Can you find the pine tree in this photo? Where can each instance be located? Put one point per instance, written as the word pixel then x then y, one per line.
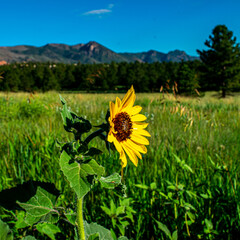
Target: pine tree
pixel 187 79
pixel 222 61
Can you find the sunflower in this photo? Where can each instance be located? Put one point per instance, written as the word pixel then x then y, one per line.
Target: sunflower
pixel 126 128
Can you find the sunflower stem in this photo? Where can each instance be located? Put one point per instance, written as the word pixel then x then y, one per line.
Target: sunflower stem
pixel 122 179
pixel 80 224
pixel 93 135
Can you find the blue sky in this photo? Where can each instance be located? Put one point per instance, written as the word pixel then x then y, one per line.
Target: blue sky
pixel 121 25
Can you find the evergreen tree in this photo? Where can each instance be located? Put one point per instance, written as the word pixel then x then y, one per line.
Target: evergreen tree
pixel 221 63
pixel 69 79
pixel 122 74
pixel 26 77
pixel 187 79
pixel 112 77
pixel 11 79
pixel 49 80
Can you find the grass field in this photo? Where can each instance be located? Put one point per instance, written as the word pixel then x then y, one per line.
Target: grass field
pixel 188 181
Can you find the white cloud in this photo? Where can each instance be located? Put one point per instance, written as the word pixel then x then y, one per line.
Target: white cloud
pixel 100 11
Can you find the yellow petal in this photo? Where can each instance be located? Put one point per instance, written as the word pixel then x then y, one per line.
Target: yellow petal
pixel 144 149
pixel 131 155
pixel 133 149
pixel 139 125
pixel 136 146
pixel 117 145
pixel 133 110
pixel 123 158
pixel 112 110
pixel 129 98
pixel 118 103
pixel 110 138
pixel 138 117
pixel 141 132
pixel 121 152
pixel 139 139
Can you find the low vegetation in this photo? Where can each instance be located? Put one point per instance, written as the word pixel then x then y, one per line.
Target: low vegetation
pixel 186 186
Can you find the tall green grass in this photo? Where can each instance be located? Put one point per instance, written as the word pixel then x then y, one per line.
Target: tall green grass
pixel 188 180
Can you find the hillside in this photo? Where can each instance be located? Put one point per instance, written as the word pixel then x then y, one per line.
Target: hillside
pixel 91 52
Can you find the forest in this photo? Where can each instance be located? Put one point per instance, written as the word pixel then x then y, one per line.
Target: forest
pixel 101 77
pixel 218 69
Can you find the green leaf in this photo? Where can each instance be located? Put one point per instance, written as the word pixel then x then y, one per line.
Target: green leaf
pixel 39 206
pixel 142 186
pixel 49 229
pixel 163 194
pixel 129 215
pixel 121 229
pixel 120 210
pixel 113 234
pixel 65 113
pixel 111 181
pixel 80 124
pixel 175 235
pixel 113 207
pixel 191 216
pixel 93 228
pixel 208 224
pixel 20 220
pixel 73 123
pixel 5 232
pixel 29 238
pixel 114 222
pixel 23 192
pixel 189 206
pixel 164 228
pixel 125 202
pixel 71 217
pixel 205 196
pixel 182 164
pixel 62 99
pixel 153 186
pixel 77 173
pixel 124 223
pixel 122 238
pixel 94 236
pixel 72 148
pixel 106 210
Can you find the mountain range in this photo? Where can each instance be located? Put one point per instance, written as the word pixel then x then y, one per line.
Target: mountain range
pixel 91 52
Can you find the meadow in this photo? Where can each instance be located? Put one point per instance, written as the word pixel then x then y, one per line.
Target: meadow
pixel 186 187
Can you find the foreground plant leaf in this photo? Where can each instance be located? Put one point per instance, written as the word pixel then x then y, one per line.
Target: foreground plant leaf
pixel 111 181
pixel 21 220
pixel 93 229
pixel 65 112
pixel 49 229
pixel 29 238
pixel 40 206
pixel 78 173
pixel 73 123
pixel 23 192
pixel 164 228
pixel 5 232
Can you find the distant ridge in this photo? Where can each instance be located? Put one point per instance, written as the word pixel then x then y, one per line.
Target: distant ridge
pixel 91 52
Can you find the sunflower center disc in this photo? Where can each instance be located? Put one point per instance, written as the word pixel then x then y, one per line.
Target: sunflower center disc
pixel 123 126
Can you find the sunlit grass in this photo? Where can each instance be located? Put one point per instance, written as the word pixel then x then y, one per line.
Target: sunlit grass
pixel 202 132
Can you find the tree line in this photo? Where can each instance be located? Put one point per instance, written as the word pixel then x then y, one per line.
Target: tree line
pixel 217 69
pixel 99 77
